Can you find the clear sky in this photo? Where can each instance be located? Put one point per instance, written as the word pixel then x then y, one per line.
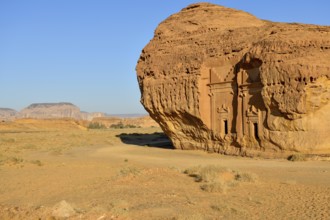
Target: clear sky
pixel 85 51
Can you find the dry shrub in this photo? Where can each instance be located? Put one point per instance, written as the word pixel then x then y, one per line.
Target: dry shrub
pixel 37 162
pixel 246 177
pixel 207 174
pixel 126 171
pixel 192 171
pixel 15 160
pixel 215 187
pixel 11 161
pixel 7 140
pixel 297 157
pixel 219 179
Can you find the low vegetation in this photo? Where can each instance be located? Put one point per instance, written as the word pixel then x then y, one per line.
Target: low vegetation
pixel 120 125
pixel 11 160
pixel 219 179
pixel 37 162
pixel 246 177
pixel 297 157
pixel 96 125
pixel 126 171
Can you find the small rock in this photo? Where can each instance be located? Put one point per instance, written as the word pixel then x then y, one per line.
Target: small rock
pixel 63 210
pixel 102 217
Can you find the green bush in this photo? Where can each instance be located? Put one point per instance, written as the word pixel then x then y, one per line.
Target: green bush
pixel 120 125
pixel 96 125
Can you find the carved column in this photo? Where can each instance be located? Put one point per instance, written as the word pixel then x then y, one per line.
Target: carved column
pixel 212 110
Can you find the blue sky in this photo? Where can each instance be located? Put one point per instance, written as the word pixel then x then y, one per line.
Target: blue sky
pixel 85 51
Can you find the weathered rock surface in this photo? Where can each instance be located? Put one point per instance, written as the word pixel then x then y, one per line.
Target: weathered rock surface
pixel 7 114
pixel 225 81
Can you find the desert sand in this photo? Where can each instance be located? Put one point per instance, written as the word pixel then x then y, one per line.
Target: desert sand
pixel 61 170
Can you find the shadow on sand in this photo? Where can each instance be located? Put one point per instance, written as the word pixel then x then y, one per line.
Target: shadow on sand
pixel 157 139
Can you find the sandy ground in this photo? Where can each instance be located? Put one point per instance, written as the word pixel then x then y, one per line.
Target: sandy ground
pixel 113 174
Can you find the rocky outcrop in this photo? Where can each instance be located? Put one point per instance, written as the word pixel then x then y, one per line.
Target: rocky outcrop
pixel 57 110
pixel 51 110
pixel 89 116
pixel 7 114
pixel 225 81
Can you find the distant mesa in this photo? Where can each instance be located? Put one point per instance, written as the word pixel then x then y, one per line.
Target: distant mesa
pixel 8 114
pixel 49 105
pixel 222 80
pixel 49 111
pixel 68 110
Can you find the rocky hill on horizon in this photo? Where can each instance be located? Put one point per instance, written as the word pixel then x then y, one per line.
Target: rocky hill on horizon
pixel 49 111
pixel 7 114
pixel 63 110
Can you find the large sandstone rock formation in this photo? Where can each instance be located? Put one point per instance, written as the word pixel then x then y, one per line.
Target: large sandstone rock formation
pixel 225 81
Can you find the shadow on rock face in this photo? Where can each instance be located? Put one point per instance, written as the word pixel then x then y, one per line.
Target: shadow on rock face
pixel 157 139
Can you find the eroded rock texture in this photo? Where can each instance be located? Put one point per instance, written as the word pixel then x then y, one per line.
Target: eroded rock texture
pixel 225 81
